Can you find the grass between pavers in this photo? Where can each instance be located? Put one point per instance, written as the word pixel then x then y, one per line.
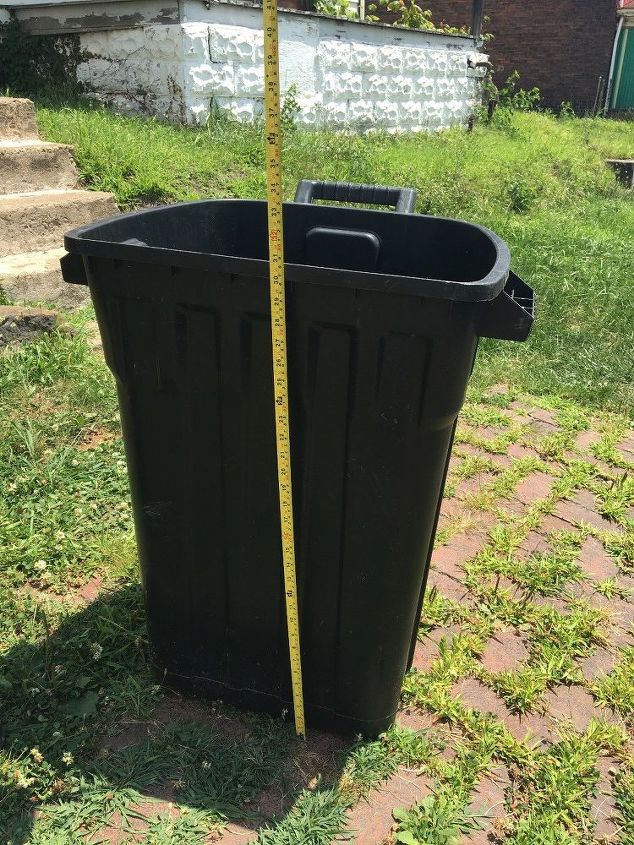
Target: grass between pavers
pixel 538 181
pixel 74 679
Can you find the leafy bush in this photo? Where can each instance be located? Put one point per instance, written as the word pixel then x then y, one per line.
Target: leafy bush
pixel 32 64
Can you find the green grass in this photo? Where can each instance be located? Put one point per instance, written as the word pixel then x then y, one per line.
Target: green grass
pixel 86 740
pixel 538 181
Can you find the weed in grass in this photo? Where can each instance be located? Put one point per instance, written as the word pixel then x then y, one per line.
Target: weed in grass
pixel 617 688
pixel 436 820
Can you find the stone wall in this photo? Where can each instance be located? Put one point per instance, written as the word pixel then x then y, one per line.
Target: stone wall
pixel 345 73
pixel 561 47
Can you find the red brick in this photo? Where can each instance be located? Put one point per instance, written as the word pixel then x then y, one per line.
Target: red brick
pixel 603 807
pixel 414 719
pixel 505 651
pixel 585 439
pixel 596 562
pixel 487 800
pixel 598 664
pixel 582 509
pixel 551 524
pixel 472 486
pixel 627 446
pixel 426 650
pixel 477 696
pixel 446 586
pixel 534 487
pixel 534 544
pixel 517 450
pixel 371 819
pixel 574 704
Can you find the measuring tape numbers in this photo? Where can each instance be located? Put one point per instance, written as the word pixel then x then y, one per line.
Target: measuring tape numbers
pixel 273 145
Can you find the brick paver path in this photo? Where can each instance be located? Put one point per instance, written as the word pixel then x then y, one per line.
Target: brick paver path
pixel 527 553
pixel 553 487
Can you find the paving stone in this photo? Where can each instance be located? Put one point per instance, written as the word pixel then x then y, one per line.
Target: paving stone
pixel 477 696
pixel 598 664
pixel 627 446
pixel 595 561
pixel 534 544
pixel 487 800
pixel 552 603
pixel 603 807
pixel 427 649
pixel 505 651
pixel 519 450
pixel 414 719
pixel 472 486
pixel 534 487
pixel 371 819
pixel 552 524
pixel 585 439
pixel 449 587
pixel 574 704
pixel 582 509
pixel 449 509
pixel 450 557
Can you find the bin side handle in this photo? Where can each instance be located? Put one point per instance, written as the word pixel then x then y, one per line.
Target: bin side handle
pixel 511 314
pixel 403 199
pixel 73 270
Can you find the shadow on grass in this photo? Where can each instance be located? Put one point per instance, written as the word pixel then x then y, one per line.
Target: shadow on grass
pixel 96 751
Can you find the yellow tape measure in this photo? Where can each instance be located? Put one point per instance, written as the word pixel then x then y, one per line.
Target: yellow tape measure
pixel 273 146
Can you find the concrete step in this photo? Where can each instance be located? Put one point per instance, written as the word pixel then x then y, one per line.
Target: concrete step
pixel 33 165
pixel 36 277
pixel 17 119
pixel 38 220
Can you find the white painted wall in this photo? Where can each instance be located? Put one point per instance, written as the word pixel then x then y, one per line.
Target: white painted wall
pixel 347 74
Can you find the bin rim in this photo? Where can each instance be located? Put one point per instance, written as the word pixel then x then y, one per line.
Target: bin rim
pixel 78 241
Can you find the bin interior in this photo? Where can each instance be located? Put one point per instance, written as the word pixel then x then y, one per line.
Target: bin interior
pixel 383 242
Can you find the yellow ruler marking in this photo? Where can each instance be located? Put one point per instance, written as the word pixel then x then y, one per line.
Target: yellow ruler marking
pixel 273 146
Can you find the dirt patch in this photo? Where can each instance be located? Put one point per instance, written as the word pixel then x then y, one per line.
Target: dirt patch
pixel 92 437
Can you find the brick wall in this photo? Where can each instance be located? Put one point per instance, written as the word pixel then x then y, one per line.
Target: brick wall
pixel 561 46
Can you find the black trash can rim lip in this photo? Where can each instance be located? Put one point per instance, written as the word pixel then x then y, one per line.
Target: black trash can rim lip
pixel 79 242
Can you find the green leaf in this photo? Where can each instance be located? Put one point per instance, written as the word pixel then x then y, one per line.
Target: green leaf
pixel 399 814
pixel 83 681
pixel 5 684
pixel 407 838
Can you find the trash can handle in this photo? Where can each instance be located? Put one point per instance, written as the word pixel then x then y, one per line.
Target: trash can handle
pixel 511 314
pixel 403 199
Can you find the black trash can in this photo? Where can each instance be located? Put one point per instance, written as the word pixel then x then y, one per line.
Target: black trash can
pixel 385 310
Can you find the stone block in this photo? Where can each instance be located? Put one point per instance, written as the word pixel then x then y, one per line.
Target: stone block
pixel 414 61
pixel 249 81
pixel 334 53
pixel 386 113
pixel 336 113
pixel 410 113
pixel 216 79
pixel 232 43
pixel 196 42
pixel 375 85
pixel 401 86
pixel 390 59
pixel 361 111
pixel 364 57
pixel 425 87
pixel 444 89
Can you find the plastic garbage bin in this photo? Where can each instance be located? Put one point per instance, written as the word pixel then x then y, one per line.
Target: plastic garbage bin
pixel 385 310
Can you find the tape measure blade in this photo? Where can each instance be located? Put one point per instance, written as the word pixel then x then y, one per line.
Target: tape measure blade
pixel 273 157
